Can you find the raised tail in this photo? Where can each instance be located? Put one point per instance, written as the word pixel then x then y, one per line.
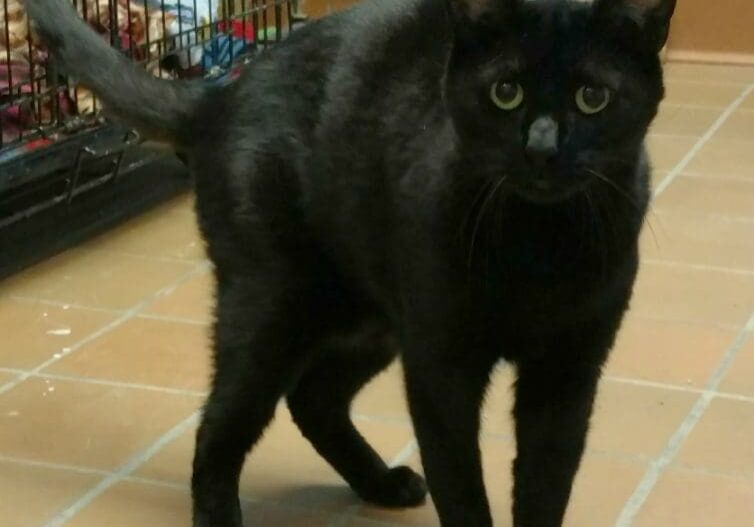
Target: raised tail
pixel 158 108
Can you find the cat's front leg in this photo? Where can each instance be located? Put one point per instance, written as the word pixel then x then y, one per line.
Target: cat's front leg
pixel 554 398
pixel 445 393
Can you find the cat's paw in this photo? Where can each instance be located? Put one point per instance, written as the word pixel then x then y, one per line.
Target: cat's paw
pixel 397 487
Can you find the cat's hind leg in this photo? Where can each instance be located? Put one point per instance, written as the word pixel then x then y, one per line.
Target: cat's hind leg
pixel 320 404
pixel 260 349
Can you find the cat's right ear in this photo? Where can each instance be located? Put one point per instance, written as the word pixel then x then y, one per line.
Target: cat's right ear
pixel 643 23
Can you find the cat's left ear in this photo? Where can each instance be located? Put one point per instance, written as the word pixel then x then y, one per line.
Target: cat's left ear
pixel 475 11
pixel 478 23
pixel 647 22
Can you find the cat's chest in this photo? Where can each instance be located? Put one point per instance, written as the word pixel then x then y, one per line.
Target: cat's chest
pixel 534 284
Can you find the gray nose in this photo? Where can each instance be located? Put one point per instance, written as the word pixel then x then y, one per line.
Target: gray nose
pixel 542 144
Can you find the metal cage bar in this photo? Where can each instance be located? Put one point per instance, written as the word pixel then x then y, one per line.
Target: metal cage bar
pixel 56 148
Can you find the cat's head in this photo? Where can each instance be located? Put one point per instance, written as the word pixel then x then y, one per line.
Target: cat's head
pixel 554 95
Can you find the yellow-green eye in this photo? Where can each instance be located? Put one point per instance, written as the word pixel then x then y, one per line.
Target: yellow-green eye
pixel 592 99
pixel 507 95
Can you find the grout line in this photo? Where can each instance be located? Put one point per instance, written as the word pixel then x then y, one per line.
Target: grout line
pixel 123 318
pixel 670 77
pixel 678 104
pixel 121 384
pixel 53 466
pixel 106 382
pixel 65 305
pixel 699 267
pixel 176 320
pixel 112 311
pixel 124 471
pixel 405 453
pixel 691 154
pixel 679 388
pixel 670 74
pixel 142 256
pixel 654 384
pixel 159 483
pixel 718 176
pixel 709 216
pixel 674 444
pixel 402 420
pixel 725 326
pixel 740 476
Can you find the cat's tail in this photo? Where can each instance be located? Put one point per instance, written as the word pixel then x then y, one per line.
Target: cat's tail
pixel 158 108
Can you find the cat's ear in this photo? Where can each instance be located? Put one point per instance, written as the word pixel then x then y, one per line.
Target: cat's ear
pixel 476 23
pixel 645 22
pixel 473 11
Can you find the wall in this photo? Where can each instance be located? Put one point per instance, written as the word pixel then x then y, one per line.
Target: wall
pixel 713 31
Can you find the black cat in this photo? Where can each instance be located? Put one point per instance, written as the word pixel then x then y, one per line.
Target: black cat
pixel 465 178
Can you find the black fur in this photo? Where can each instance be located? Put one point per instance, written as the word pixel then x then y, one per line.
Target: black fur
pixel 357 187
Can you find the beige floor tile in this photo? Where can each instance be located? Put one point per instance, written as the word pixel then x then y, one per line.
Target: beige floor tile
pixel 601 488
pixel 131 504
pixel 709 72
pixel 697 500
pixel 496 415
pixel 6 377
pixel 740 377
pixel 739 126
pixel 161 233
pixel 748 103
pixel 282 516
pixel 657 178
pixel 675 119
pixel 283 468
pixel 192 300
pixel 384 396
pixel 698 93
pixel 85 425
pixel 363 522
pixel 722 440
pixel 144 351
pixel 699 240
pixel 636 420
pixel 705 195
pixel 669 352
pixel 31 496
pixel 95 279
pixel 693 295
pixel 38 331
pixel 135 504
pixel 496 458
pixel 724 159
pixel 666 151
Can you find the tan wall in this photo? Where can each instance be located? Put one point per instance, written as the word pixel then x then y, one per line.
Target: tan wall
pixel 720 30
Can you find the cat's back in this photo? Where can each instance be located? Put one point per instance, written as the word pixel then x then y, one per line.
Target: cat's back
pixel 335 71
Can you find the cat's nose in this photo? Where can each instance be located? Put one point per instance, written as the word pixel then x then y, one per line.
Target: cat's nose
pixel 542 143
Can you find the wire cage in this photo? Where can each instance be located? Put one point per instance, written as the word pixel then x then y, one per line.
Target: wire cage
pixel 65 171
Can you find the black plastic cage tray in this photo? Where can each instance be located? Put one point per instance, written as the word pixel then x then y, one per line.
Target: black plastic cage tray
pixel 65 172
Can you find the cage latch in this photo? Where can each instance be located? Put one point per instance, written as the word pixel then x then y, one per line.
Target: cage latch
pixel 131 138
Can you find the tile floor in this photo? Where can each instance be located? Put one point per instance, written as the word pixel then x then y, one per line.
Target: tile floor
pixel 105 362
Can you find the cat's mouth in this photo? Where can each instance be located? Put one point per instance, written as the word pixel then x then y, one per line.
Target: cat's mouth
pixel 545 192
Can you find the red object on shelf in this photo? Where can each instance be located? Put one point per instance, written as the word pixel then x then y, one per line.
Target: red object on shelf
pixel 240 29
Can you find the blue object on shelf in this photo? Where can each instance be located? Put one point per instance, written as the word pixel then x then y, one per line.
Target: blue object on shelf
pixel 222 50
